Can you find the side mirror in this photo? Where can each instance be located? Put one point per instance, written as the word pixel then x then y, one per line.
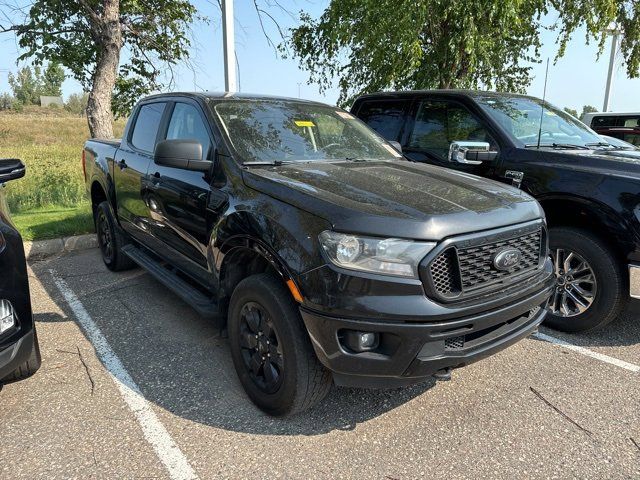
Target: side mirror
pixel 11 169
pixel 184 154
pixel 470 153
pixel 395 145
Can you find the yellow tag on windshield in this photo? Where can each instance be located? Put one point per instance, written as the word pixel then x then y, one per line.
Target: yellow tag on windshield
pixel 304 123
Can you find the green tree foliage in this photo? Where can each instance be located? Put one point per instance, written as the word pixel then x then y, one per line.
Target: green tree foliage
pixel 371 45
pixel 571 111
pixel 87 38
pixel 52 79
pixel 588 109
pixel 77 103
pixel 26 85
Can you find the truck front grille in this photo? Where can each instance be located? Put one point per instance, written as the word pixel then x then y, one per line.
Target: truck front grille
pixel 462 269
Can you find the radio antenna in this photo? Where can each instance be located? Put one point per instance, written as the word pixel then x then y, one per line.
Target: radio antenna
pixel 544 97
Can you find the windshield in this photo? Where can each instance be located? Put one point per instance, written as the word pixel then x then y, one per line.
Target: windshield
pixel 284 130
pixel 520 117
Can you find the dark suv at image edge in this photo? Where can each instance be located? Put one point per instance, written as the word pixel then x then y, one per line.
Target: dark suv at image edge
pixel 19 350
pixel 327 256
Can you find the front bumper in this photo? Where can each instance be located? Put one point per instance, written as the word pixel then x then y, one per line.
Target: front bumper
pixel 408 352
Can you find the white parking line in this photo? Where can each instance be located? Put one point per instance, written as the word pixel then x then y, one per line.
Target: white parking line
pixel 589 353
pixel 154 431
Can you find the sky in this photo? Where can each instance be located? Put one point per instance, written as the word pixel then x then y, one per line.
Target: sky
pixel 575 80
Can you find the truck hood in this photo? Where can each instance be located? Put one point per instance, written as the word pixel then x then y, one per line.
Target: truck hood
pixel 624 163
pixel 395 198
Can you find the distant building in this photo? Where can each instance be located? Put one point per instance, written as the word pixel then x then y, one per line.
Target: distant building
pixel 46 101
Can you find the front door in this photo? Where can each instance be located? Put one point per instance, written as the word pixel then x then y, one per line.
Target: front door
pixel 178 199
pixel 436 124
pixel 130 169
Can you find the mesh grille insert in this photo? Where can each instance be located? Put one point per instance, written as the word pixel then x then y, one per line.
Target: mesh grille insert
pixel 455 271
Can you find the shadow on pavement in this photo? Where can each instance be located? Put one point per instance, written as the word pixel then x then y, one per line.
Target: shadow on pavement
pixel 624 331
pixel 182 365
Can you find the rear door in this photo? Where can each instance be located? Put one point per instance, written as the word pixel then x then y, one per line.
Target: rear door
pixel 178 198
pixel 386 116
pixel 130 169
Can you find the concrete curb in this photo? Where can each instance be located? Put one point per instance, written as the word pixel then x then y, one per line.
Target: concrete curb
pixel 46 248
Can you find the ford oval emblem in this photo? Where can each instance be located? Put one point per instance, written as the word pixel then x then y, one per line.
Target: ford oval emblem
pixel 507 259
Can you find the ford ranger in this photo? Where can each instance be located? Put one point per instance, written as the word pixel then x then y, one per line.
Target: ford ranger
pixel 327 256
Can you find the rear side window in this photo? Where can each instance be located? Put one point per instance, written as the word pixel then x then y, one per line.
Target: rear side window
pixel 145 130
pixel 186 124
pixel 385 116
pixel 605 121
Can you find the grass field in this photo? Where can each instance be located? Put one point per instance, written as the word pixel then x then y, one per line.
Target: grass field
pixel 51 200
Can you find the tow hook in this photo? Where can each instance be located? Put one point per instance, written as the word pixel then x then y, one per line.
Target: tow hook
pixel 443 375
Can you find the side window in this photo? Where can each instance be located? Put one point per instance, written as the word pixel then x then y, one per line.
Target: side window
pixel 145 130
pixel 439 123
pixel 187 124
pixel 385 116
pixel 633 138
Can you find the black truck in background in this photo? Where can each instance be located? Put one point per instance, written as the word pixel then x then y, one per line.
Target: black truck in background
pixel 327 255
pixel 589 189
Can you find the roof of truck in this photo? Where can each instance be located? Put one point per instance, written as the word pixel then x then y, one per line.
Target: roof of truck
pixel 467 93
pixel 231 96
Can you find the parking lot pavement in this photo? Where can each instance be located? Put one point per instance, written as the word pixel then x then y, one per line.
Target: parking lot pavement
pixel 135 385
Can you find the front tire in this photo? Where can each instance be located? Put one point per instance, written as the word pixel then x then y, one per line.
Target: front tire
pixel 591 291
pixel 271 350
pixel 110 239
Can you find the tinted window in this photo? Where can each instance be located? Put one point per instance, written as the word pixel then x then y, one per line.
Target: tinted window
pixel 439 123
pixel 615 121
pixel 632 138
pixel 385 116
pixel 187 124
pixel 146 127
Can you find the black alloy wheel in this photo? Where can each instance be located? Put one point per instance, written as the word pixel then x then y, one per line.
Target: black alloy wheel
pixel 261 348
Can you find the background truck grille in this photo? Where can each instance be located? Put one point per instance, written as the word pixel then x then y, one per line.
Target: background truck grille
pixel 456 271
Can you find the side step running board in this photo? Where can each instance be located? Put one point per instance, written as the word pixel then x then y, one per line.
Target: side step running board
pixel 202 304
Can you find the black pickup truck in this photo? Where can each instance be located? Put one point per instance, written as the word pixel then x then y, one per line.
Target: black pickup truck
pixel 326 255
pixel 589 189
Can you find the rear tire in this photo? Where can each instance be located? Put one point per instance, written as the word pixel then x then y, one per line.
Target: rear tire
pixel 611 294
pixel 111 239
pixel 271 350
pixel 29 367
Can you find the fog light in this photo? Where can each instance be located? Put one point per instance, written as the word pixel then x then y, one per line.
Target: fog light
pixel 361 341
pixel 7 317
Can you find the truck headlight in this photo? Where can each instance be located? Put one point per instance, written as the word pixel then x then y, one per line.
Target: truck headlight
pixel 7 316
pixel 386 256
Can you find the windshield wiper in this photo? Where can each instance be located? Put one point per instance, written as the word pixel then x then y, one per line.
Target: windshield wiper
pixel 600 144
pixel 558 145
pixel 273 163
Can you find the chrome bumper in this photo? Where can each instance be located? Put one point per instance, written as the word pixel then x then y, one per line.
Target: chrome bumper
pixel 634 281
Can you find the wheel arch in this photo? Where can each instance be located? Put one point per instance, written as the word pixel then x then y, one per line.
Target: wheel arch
pixel 597 218
pixel 242 256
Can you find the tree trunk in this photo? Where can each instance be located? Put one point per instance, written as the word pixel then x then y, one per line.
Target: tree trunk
pixel 108 34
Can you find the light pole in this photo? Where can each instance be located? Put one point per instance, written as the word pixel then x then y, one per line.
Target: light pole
pixel 299 85
pixel 615 37
pixel 228 42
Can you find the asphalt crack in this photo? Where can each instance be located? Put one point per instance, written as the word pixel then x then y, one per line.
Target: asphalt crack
pixel 567 417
